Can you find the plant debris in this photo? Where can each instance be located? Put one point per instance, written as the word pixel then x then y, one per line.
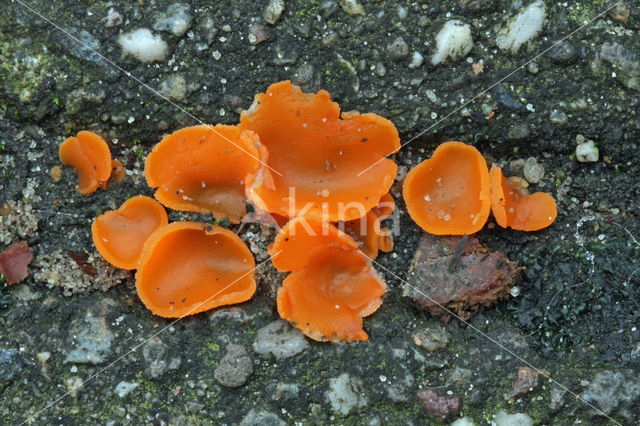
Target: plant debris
pixel 480 276
pixel 14 262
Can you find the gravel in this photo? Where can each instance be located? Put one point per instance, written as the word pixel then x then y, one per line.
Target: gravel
pixel 89 340
pixel 279 339
pixel 345 394
pixel 10 365
pixel 234 368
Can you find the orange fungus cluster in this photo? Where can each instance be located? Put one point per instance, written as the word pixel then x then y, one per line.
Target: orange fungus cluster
pixel 297 160
pixel 321 174
pixel 452 192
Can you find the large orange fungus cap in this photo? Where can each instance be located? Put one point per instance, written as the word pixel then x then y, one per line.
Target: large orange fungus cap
pixel 89 154
pixel 203 169
pixel 313 152
pixel 120 234
pixel 449 193
pixel 190 267
pixel 513 208
pixel 332 285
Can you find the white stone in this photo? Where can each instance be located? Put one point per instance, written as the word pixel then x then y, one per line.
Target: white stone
pixel 345 394
pixel 176 20
pixel 524 27
pixel 273 11
pixel 462 422
pixel 587 152
pixel 454 41
pixel 518 419
pixel 279 339
pixel 533 171
pixel 416 60
pixel 125 388
pixel 352 7
pixel 143 45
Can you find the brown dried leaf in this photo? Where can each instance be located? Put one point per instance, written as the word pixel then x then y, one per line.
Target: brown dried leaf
pixel 82 260
pixel 14 262
pixel 461 275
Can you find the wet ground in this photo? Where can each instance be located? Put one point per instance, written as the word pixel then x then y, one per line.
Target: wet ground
pixel 573 315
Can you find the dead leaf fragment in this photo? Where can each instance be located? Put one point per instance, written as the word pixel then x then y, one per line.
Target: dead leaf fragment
pixel 460 275
pixel 14 262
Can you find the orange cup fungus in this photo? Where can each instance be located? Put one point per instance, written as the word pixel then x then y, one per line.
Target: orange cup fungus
pixel 331 286
pixel 203 169
pixel 119 235
pixel 89 154
pixel 513 207
pixel 367 231
pixel 190 267
pixel 449 194
pixel 314 151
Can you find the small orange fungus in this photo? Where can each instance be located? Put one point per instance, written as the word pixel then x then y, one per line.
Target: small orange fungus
pixel 203 169
pixel 89 154
pixel 449 194
pixel 118 173
pixel 331 287
pixel 367 231
pixel 316 150
pixel 119 235
pixel 512 207
pixel 190 267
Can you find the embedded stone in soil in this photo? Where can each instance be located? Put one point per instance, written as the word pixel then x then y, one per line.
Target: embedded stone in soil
pixel 459 274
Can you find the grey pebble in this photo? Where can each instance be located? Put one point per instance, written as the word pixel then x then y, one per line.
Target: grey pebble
pixel 234 368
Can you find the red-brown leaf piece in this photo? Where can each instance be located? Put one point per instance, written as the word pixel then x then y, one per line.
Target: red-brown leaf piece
pixel 458 273
pixel 14 262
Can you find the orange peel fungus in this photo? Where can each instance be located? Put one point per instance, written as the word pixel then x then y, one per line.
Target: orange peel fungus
pixel 331 287
pixel 89 154
pixel 119 235
pixel 316 150
pixel 190 267
pixel 203 169
pixel 449 193
pixel 513 207
pixel 367 231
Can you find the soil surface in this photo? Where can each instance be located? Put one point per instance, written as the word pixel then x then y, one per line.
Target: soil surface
pixel 78 347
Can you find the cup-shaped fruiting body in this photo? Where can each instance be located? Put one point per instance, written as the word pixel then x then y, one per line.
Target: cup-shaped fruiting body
pixel 203 169
pixel 327 298
pixel 191 267
pixel 89 154
pixel 301 238
pixel 119 235
pixel 449 193
pixel 321 164
pixel 332 286
pixel 514 209
pixel 368 232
